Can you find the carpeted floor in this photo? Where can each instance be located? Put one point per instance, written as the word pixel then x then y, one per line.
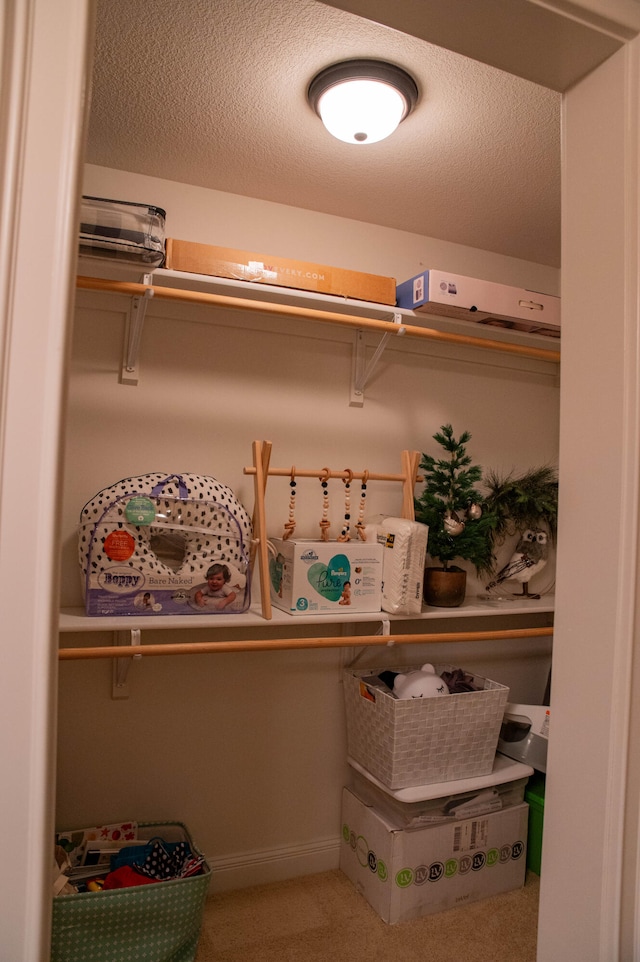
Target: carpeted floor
pixel 321 918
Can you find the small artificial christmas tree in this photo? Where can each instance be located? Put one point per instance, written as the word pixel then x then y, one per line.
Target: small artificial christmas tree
pixel 460 523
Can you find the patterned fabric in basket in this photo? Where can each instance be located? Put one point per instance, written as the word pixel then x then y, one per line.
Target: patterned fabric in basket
pixel 159 922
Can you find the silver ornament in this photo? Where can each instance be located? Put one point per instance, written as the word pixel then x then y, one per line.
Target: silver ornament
pixel 452 524
pixel 474 512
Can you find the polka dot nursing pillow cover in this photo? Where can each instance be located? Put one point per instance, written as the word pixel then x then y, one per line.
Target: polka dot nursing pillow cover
pixel 147 544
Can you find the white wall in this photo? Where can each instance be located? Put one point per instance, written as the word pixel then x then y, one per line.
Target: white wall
pixel 230 220
pixel 249 750
pixel 595 636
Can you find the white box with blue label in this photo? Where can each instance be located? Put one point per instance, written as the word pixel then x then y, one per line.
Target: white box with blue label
pixel 318 577
pixel 467 298
pixel 407 873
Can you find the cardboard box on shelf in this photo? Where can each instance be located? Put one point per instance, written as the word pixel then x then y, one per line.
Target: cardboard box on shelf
pixel 259 268
pixel 470 299
pixel 404 874
pixel 317 577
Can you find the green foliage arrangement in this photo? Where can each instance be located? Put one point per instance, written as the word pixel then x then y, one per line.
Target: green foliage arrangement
pixel 528 500
pixel 449 499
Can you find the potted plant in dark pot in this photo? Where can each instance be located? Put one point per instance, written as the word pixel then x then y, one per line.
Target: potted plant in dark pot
pixel 460 523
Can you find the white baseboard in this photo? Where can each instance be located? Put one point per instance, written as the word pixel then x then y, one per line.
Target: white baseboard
pixel 273 865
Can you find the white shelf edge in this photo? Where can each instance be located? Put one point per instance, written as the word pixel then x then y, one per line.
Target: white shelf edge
pixel 162 277
pixel 75 619
pixel 345 305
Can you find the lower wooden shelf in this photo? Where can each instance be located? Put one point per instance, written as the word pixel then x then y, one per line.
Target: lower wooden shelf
pixel 520 611
pixel 75 619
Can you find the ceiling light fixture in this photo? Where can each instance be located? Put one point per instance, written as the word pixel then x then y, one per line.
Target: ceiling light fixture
pixel 362 101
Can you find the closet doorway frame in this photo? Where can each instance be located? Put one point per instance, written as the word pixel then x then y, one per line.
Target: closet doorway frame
pixel 589 893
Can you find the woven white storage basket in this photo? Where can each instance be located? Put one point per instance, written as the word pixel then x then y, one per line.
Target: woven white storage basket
pixel 419 741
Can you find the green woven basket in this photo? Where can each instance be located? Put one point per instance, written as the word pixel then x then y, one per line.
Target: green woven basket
pixel 154 923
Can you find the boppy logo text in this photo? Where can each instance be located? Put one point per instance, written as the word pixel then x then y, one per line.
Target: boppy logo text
pixel 122 581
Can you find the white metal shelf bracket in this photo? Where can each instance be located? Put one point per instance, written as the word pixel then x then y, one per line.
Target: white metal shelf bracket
pixel 129 373
pixel 385 630
pixel 121 666
pixel 361 372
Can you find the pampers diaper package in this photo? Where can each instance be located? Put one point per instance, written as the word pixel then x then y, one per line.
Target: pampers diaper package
pixel 315 577
pixel 405 550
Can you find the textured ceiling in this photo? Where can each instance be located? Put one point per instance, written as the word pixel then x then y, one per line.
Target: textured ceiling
pixel 212 93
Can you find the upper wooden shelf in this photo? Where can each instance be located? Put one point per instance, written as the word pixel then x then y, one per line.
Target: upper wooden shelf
pixel 384 319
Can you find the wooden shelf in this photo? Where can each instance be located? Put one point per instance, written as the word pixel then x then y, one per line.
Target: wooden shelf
pixel 289 304
pixel 75 619
pixel 127 641
pixel 293 305
pixel 271 294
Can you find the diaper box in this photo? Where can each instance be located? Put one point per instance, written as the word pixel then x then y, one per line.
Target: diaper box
pixel 408 873
pixel 405 550
pixel 261 268
pixel 316 577
pixel 467 298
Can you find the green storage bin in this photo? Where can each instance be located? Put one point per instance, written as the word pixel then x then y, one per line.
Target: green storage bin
pixel 534 795
pixel 158 923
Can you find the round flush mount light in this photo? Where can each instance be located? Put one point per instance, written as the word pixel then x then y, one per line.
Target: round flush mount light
pixel 362 101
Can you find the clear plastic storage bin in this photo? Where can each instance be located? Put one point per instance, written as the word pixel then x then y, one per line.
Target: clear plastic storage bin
pixel 434 804
pixel 122 230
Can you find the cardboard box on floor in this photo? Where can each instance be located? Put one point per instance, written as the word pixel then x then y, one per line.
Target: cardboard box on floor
pixel 407 873
pixel 281 271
